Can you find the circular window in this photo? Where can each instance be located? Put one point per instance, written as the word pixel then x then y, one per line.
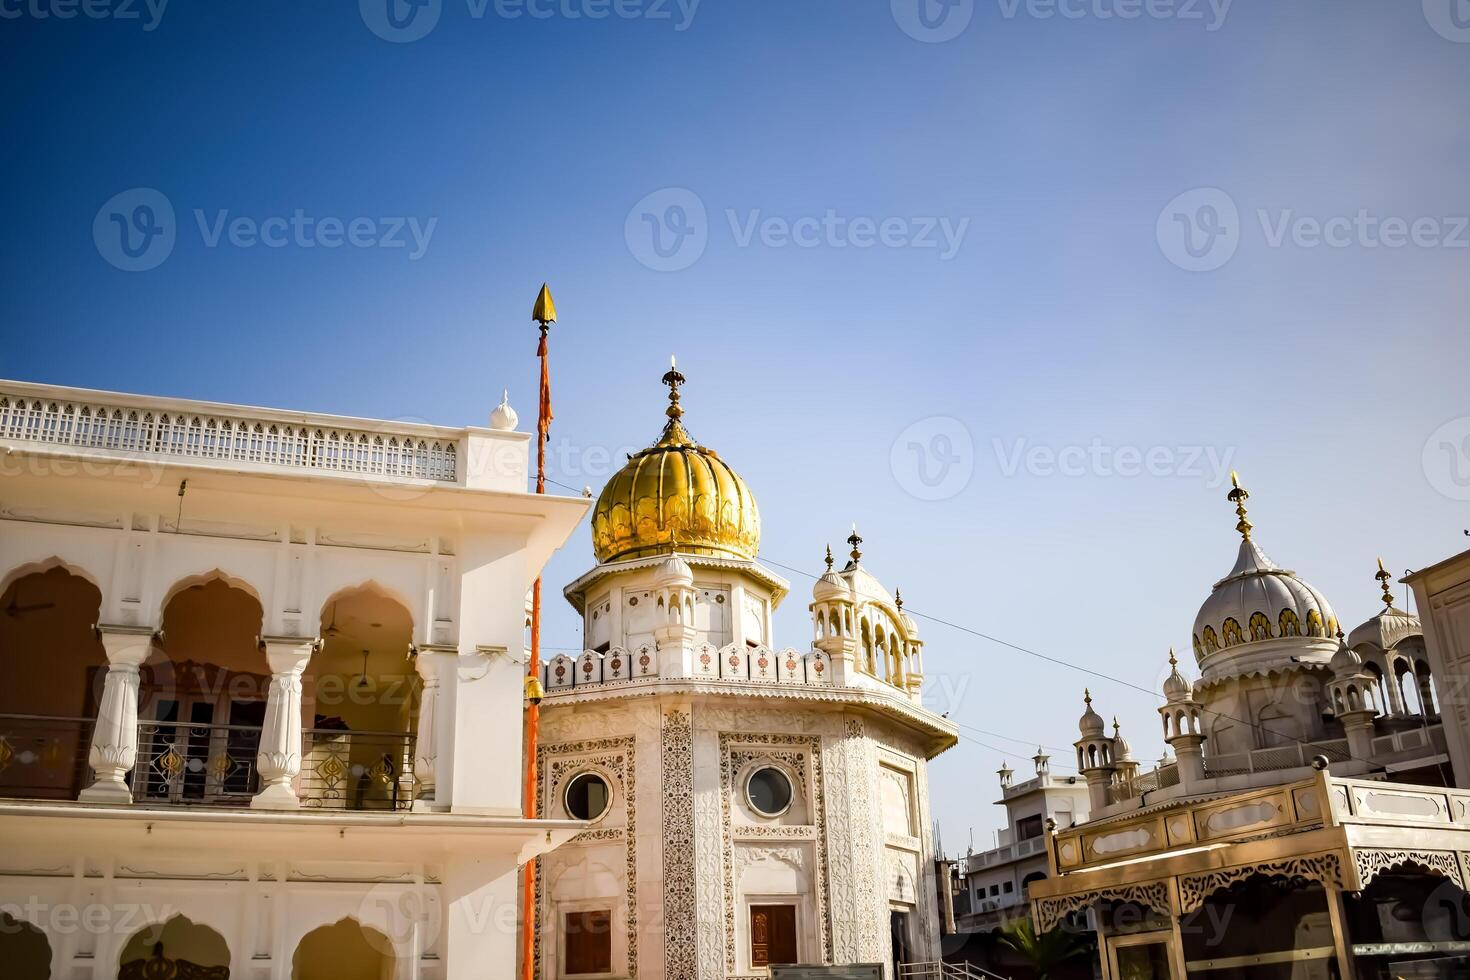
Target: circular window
pixel 769 791
pixel 588 796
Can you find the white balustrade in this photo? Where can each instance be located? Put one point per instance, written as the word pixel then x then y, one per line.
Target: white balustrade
pixel 139 431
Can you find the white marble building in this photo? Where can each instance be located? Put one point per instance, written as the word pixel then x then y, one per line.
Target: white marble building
pixel 750 804
pixel 261 688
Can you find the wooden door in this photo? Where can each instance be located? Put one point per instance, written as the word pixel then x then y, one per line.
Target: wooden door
pixel 772 934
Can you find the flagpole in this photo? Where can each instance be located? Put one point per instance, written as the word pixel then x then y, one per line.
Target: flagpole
pixel 544 313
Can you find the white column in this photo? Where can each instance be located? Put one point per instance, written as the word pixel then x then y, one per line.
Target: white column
pixel 432 664
pixel 279 758
pixel 115 737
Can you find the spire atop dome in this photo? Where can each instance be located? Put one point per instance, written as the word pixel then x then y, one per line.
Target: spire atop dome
pixel 828 559
pixel 854 539
pixel 1238 495
pixel 673 379
pixel 1384 576
pixel 898 599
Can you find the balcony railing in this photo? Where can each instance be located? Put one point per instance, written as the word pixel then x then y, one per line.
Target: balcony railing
pixel 43 757
pixel 347 770
pixel 1298 755
pixel 141 432
pixel 199 764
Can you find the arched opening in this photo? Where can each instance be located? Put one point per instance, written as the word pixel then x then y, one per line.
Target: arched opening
pixel 1409 921
pixel 176 948
pixel 1274 727
pixel 1376 673
pixel 52 665
pixel 1428 699
pixel 360 697
pixel 1262 917
pixel 202 697
pixel 1408 687
pixel 345 950
pixel 25 951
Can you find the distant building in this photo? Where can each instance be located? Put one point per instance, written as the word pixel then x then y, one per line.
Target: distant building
pixel 1311 826
pixel 992 884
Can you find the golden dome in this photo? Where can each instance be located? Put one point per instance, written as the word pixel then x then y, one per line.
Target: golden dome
pixel 675 494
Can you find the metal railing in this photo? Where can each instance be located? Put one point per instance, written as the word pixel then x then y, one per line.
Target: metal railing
pixel 43 757
pixel 349 770
pixel 185 763
pixel 140 431
pixel 939 970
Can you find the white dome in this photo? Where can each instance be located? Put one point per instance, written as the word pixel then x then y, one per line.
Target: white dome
pixel 1122 751
pixel 1386 630
pixel 1091 724
pixel 1261 615
pixel 1345 663
pixel 1176 686
pixel 830 588
pixel 504 418
pixel 673 570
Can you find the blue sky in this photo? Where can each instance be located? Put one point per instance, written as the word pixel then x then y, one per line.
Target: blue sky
pixel 1059 315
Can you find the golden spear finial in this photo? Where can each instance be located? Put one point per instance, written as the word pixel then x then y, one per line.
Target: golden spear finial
pixel 1384 576
pixel 829 558
pixel 673 379
pixel 1173 660
pixel 544 311
pixel 1238 495
pixel 854 540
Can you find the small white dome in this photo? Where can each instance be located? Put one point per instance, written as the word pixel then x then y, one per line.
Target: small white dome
pixel 504 418
pixel 1386 630
pixel 1091 724
pixel 1345 663
pixel 1176 687
pixel 830 588
pixel 672 571
pixel 1122 751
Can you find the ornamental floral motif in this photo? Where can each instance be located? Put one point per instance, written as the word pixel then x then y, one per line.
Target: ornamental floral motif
pixel 1050 911
pixel 1370 863
pixel 1325 868
pixel 681 917
pixel 558 762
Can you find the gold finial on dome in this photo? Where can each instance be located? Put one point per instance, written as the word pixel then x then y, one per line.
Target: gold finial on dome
pixel 1238 495
pixel 829 558
pixel 1173 660
pixel 898 599
pixel 675 491
pixel 673 379
pixel 1384 576
pixel 854 539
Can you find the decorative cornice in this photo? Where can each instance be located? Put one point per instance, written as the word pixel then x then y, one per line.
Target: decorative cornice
pixel 1371 862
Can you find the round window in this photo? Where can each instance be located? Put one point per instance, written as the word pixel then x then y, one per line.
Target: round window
pixel 588 796
pixel 769 791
